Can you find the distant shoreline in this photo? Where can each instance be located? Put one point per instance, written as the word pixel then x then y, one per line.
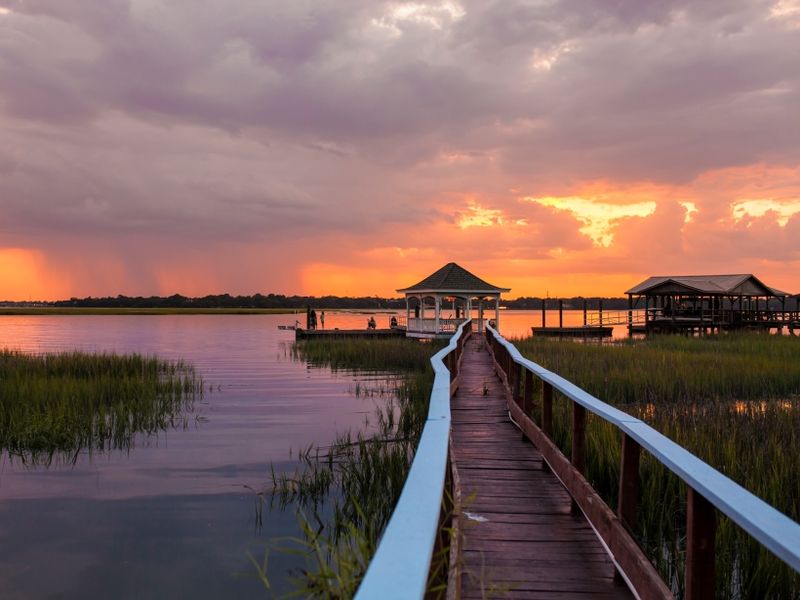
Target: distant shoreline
pixel 10 311
pixel 87 310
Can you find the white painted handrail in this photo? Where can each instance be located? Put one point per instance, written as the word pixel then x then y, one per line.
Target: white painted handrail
pixel 400 566
pixel 770 527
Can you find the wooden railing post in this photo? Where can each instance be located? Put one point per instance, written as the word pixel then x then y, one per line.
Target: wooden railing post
pixel 578 457
pixel 579 437
pixel 547 409
pixel 701 529
pixel 628 482
pixel 527 400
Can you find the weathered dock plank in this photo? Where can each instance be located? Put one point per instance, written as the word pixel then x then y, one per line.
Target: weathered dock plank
pixel 519 536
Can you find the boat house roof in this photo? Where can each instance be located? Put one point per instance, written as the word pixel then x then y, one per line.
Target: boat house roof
pixel 453 278
pixel 712 285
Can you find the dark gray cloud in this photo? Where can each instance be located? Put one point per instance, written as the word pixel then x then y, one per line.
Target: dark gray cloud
pixel 271 121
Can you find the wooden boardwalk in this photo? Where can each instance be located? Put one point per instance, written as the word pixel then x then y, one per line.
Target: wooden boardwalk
pixel 519 538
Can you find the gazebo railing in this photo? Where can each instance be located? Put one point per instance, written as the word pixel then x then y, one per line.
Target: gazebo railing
pixel 402 563
pixel 428 325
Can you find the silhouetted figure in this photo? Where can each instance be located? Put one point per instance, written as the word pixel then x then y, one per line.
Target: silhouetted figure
pixel 322 319
pixel 371 323
pixel 393 322
pixel 313 320
pixel 416 311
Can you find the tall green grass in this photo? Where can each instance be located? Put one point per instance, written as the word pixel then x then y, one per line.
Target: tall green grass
pixel 361 474
pixel 732 400
pixel 55 405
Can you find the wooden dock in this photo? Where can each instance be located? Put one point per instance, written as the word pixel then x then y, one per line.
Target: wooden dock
pixel 586 331
pixel 306 334
pixel 519 536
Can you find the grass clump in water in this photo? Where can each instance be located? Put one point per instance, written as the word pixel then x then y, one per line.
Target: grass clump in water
pixel 60 404
pixel 732 400
pixel 359 476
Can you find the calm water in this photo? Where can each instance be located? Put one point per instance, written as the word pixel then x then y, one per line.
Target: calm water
pixel 175 516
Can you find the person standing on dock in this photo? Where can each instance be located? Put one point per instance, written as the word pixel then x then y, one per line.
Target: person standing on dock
pixel 313 320
pixel 322 319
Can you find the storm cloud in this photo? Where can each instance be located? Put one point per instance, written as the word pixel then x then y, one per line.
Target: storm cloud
pixel 195 146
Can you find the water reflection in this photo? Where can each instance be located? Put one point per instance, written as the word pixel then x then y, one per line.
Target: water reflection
pixel 173 517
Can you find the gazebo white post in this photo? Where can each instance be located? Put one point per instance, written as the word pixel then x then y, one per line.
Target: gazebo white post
pixel 438 309
pixel 480 315
pixel 408 313
pixel 497 312
pixel 422 308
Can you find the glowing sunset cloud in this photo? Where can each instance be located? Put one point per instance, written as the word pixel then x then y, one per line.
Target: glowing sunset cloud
pixel 691 209
pixel 353 147
pixel 783 210
pixel 478 216
pixel 598 217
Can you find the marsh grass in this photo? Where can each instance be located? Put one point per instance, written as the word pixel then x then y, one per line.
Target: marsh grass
pixel 358 477
pixel 732 400
pixel 56 405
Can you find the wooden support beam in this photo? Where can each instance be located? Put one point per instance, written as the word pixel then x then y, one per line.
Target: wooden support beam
pixel 517 388
pixel 628 482
pixel 601 312
pixel 701 528
pixel 527 401
pixel 578 455
pixel 544 313
pixel 630 314
pixel 547 409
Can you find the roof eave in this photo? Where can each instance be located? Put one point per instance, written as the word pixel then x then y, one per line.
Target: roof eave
pixel 453 291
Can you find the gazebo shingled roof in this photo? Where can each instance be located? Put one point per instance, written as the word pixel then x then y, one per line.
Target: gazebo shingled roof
pixel 710 284
pixel 453 278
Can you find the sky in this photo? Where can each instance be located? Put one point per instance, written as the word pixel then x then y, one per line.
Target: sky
pixel 352 147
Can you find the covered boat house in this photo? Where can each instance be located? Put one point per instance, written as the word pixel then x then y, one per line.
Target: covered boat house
pixel 437 305
pixel 705 303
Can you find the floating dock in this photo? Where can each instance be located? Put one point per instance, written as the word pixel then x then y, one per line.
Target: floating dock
pixel 315 334
pixel 587 331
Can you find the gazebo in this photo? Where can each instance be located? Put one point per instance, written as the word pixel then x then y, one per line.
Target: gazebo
pixel 454 292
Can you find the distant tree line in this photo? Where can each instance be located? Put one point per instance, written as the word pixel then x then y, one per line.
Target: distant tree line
pixel 301 302
pixel 228 301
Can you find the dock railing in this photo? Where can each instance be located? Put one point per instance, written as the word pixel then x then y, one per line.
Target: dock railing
pixel 401 565
pixel 708 489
